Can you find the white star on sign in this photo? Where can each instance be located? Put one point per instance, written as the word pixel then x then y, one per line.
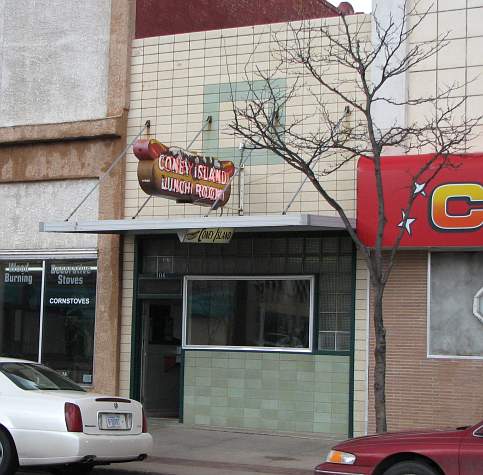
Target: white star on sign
pixel 406 223
pixel 419 188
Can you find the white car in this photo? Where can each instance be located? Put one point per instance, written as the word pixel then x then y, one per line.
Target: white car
pixel 46 419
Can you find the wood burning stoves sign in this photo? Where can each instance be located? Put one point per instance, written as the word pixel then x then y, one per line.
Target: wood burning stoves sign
pixel 182 176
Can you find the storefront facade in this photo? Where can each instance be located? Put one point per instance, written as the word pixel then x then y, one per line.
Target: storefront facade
pixel 433 300
pixel 257 332
pixel 431 303
pixel 254 333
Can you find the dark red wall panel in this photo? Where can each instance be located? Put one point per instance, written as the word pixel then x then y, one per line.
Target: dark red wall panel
pixel 168 17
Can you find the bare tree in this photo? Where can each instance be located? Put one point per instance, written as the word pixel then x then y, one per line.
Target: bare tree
pixel 307 54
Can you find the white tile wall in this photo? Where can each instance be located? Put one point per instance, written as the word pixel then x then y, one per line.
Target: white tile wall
pixel 458 62
pixel 167 85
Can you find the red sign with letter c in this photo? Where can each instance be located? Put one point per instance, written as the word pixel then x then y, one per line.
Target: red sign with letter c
pixel 448 206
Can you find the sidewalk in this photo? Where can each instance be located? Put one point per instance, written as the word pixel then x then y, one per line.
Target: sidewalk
pixel 185 450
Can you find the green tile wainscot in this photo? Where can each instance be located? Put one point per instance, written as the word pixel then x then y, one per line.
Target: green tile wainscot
pixel 272 391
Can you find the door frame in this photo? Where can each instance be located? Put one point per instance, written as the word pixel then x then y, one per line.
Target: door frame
pixel 145 304
pixel 135 385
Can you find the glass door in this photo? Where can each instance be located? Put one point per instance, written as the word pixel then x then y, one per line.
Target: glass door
pixel 161 357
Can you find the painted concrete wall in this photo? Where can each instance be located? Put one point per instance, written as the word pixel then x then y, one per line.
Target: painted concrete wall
pixel 272 391
pixel 30 203
pixel 54 60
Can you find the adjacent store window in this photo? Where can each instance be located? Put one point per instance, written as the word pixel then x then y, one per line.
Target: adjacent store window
pixel 455 304
pixel 20 302
pixel 269 313
pixel 47 314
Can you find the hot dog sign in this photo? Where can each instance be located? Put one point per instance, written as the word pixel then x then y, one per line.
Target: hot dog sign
pixel 183 176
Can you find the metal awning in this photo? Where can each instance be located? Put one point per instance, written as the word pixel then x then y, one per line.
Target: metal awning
pixel 256 223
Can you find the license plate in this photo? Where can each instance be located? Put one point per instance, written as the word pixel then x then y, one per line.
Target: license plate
pixel 114 421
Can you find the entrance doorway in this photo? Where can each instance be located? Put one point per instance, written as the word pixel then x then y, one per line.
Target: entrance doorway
pixel 161 357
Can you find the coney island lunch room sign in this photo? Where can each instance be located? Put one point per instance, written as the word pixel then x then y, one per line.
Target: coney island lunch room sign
pixel 182 176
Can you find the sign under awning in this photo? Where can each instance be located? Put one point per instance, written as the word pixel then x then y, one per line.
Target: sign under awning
pixel 206 235
pixel 256 223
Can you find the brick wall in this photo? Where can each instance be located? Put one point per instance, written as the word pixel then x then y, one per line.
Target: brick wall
pixel 421 392
pixel 168 17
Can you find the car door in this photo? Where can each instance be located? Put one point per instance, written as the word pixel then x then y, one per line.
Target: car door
pixel 471 452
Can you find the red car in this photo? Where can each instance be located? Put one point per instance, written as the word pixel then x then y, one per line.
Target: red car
pixel 440 452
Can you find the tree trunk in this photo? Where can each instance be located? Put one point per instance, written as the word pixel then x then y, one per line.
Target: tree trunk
pixel 380 361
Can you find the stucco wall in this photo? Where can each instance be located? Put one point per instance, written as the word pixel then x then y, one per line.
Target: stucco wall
pixel 30 203
pixel 63 109
pixel 54 60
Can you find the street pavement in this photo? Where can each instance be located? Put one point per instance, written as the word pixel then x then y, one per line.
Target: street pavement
pixel 185 450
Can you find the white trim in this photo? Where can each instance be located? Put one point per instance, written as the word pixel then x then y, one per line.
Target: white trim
pixel 309 349
pixel 41 323
pixel 428 326
pixel 269 222
pixel 454 357
pixel 46 254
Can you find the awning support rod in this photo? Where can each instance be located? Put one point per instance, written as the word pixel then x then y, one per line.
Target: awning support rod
pixel 336 129
pixel 241 166
pixel 147 124
pixel 208 121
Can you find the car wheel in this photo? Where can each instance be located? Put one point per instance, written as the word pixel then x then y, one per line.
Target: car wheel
pixel 8 456
pixel 410 468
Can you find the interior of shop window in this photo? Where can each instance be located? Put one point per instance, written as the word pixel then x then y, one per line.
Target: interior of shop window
pixel 47 314
pixel 264 313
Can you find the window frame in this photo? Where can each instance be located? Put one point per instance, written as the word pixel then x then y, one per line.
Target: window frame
pixel 308 277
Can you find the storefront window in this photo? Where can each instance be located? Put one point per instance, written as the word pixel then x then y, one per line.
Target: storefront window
pixel 69 316
pixel 60 297
pixel 164 263
pixel 20 298
pixel 249 312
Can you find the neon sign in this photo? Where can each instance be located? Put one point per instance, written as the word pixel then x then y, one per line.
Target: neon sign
pixel 182 176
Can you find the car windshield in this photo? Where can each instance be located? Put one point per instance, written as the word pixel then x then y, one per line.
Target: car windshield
pixel 31 376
